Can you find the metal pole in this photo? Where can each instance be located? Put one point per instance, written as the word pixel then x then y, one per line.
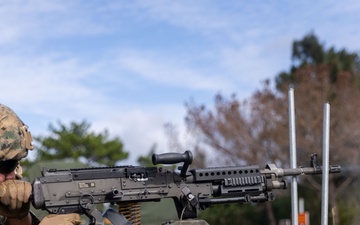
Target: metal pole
pixel 301 205
pixel 294 191
pixel 325 167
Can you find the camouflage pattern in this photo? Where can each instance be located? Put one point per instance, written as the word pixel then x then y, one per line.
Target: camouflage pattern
pixel 19 172
pixel 15 140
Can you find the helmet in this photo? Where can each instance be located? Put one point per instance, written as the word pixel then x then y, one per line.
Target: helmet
pixel 15 139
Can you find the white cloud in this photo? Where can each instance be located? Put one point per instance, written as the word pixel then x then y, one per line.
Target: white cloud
pixel 43 79
pixel 160 69
pixel 39 20
pixel 139 127
pixel 45 69
pixel 52 88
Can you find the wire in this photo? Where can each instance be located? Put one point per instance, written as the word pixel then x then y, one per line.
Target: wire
pixel 182 214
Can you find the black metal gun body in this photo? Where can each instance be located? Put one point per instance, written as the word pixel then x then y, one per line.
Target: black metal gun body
pixel 79 190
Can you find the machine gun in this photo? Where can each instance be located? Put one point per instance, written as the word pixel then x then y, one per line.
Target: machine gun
pixel 79 190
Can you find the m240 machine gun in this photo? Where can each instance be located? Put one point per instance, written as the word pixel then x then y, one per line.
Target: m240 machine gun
pixel 79 190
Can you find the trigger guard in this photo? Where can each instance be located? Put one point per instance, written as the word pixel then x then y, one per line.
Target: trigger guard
pixel 87 203
pixel 87 206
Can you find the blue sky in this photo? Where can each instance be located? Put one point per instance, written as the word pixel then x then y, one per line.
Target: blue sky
pixel 129 66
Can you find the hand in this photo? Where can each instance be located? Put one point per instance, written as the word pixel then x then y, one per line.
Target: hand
pixel 63 219
pixel 14 198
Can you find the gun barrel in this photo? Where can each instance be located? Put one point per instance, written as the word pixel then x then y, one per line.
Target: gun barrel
pixel 271 169
pixel 335 169
pixel 310 170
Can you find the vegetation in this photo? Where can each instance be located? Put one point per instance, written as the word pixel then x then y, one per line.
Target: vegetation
pixel 76 142
pixel 255 130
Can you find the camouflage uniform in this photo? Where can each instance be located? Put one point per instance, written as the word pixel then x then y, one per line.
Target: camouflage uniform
pixel 15 141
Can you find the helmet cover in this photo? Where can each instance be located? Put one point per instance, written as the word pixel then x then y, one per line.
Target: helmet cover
pixel 15 139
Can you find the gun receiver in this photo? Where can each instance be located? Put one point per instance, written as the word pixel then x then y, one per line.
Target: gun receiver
pixel 79 190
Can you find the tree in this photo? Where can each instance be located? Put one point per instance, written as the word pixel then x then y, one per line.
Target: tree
pixel 76 142
pixel 255 130
pixel 334 79
pixel 241 133
pixel 146 160
pixel 308 52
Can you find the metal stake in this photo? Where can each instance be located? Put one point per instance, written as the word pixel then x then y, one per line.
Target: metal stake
pixel 325 166
pixel 292 132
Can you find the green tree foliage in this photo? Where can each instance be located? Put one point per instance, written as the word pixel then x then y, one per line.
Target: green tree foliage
pixel 76 141
pixel 309 52
pixel 147 159
pixel 256 130
pixel 326 75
